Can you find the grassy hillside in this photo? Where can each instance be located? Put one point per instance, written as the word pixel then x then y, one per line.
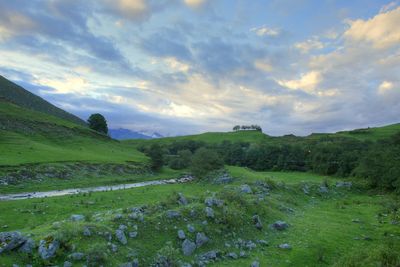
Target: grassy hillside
pixel 28 136
pixel 18 95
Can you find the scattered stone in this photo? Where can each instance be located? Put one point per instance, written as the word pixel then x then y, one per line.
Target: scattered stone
pixel 11 240
pixel 133 234
pixel 181 234
pixel 356 220
pixel 204 222
pixel 188 247
pixel 138 216
pixel 257 222
pixel 344 184
pixel 120 235
pixel 182 200
pixel 212 201
pixel 250 245
pixel 185 264
pixel 76 256
pixel 77 218
pixel 134 263
pixel 27 247
pixel 48 249
pixel 246 189
pixel 306 189
pixel 201 239
pixel 255 264
pixel 67 264
pixel 232 255
pixel 280 225
pixel 86 231
pixel 209 212
pixel 242 254
pixel 208 256
pixel 122 227
pixel 323 189
pixel 224 179
pixel 113 247
pixel 191 228
pixel 173 214
pixel 285 246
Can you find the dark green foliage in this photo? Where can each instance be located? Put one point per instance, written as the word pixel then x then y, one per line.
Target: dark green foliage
pixel 98 123
pixel 156 155
pixel 181 161
pixel 381 165
pixel 205 160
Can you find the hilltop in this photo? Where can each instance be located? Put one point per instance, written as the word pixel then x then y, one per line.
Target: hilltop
pixel 23 98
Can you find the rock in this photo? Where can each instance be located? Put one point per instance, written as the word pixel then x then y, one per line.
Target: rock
pixel 173 214
pixel 344 184
pixel 191 228
pixel 181 234
pixel 67 264
pixel 48 249
pixel 280 225
pixel 250 245
pixel 201 239
pixel 86 231
pixel 306 189
pixel 242 254
pixel 27 247
pixel 136 216
pixel 232 255
pixel 120 235
pixel 76 256
pixel 133 234
pixel 209 212
pixel 182 200
pixel 212 201
pixel 134 263
pixel 77 218
pixel 356 220
pixel 122 227
pixel 113 247
pixel 323 189
pixel 11 240
pixel 208 256
pixel 246 189
pixel 257 222
pixel 188 247
pixel 285 246
pixel 185 264
pixel 224 179
pixel 255 264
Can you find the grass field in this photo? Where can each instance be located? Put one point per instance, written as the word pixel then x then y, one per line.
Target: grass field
pixel 28 136
pixel 325 229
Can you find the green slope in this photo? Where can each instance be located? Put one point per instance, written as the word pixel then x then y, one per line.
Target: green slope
pixel 28 136
pixel 21 97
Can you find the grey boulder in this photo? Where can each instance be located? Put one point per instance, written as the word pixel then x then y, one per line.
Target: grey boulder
pixel 48 249
pixel 188 247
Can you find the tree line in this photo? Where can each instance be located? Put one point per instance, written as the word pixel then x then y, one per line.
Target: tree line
pixel 377 162
pixel 253 127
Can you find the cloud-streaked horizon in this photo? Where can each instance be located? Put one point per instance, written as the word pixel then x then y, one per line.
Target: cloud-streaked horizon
pixel 190 66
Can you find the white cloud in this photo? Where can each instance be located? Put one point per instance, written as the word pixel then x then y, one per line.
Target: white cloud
pixel 265 31
pixel 389 7
pixel 195 3
pixel 385 87
pixel 308 45
pixel 176 65
pixel 308 82
pixel 382 31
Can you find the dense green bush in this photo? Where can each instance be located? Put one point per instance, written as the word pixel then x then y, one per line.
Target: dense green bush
pixel 205 160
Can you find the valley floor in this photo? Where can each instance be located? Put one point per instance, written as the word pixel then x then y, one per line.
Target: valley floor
pixel 339 226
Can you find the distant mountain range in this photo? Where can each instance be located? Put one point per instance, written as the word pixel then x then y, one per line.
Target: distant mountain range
pixel 124 134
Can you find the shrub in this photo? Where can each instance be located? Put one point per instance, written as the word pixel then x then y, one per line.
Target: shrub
pixel 205 160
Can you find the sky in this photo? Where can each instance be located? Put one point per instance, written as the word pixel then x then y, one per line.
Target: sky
pixel 189 66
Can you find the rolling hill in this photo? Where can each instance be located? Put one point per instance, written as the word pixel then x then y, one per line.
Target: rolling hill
pixel 21 97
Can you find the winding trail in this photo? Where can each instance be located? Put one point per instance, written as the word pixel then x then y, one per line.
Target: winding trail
pixel 56 193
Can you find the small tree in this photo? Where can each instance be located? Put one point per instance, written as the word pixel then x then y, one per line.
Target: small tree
pixel 236 128
pixel 156 156
pixel 98 123
pixel 205 160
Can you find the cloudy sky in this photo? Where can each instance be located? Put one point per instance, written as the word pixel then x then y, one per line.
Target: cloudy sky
pixel 189 66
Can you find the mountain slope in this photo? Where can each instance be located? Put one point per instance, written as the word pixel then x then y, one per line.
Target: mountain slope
pixel 27 136
pixel 123 134
pixel 21 97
